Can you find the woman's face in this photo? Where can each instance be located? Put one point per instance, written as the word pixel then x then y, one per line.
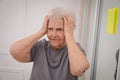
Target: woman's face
pixel 55 32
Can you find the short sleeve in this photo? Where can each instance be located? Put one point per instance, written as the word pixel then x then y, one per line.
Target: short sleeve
pixel 83 51
pixel 36 48
pixel 33 51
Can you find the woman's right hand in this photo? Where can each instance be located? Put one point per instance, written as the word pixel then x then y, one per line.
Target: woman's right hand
pixel 45 25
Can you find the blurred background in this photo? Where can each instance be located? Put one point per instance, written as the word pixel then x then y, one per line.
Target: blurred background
pixel 21 18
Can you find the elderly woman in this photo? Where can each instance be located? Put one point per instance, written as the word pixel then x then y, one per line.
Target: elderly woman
pixel 60 58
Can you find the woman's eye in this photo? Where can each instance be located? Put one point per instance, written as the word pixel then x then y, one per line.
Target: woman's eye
pixel 59 29
pixel 50 29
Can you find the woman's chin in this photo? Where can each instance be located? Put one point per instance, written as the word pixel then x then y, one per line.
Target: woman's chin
pixel 55 46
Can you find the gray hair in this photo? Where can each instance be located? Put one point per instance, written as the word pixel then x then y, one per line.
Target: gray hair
pixel 61 12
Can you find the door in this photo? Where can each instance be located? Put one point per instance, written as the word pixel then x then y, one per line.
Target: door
pixel 107 44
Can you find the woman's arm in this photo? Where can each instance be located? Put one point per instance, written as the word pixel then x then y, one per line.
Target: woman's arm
pixel 20 50
pixel 78 61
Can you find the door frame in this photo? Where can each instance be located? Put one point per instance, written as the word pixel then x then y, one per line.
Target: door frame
pixel 96 34
pixel 90 34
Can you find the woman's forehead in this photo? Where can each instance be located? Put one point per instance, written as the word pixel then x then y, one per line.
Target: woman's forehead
pixel 55 21
pixel 56 18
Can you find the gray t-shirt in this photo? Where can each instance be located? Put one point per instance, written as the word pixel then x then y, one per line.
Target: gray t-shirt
pixel 50 64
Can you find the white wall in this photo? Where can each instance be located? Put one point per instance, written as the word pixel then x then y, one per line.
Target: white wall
pixel 20 18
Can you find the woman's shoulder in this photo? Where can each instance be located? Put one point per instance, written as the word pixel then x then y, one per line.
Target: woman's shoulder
pixel 43 43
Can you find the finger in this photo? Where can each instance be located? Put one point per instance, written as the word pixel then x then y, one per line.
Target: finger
pixel 65 20
pixel 46 17
pixel 46 20
pixel 70 19
pixel 66 17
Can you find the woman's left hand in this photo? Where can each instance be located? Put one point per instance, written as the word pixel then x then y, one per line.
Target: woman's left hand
pixel 69 24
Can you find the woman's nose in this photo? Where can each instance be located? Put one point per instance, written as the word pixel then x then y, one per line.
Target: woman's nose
pixel 54 34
